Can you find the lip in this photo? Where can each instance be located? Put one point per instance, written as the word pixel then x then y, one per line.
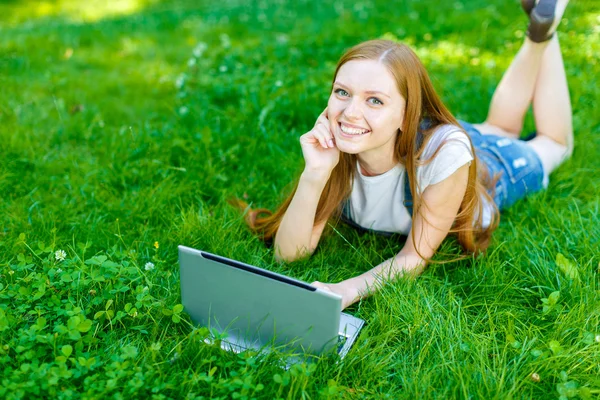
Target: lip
pixel 345 135
pixel 353 126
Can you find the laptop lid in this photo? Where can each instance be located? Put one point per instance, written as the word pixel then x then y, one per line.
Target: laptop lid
pixel 257 307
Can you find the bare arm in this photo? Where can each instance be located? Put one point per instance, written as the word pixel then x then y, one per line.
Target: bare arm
pixel 298 235
pixel 431 226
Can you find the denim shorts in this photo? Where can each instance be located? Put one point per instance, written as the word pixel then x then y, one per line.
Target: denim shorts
pixel 516 164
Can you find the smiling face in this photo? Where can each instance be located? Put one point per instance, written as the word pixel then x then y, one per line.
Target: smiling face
pixel 365 111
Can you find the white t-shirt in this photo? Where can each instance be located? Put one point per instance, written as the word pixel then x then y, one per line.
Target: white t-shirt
pixel 377 202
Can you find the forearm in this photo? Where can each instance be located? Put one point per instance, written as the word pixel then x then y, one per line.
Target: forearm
pixel 293 237
pixel 430 227
pixel 371 281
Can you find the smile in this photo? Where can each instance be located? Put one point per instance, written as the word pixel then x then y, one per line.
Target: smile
pixel 353 131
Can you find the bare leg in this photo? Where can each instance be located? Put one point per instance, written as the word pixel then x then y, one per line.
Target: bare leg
pixel 519 84
pixel 536 75
pixel 515 91
pixel 552 110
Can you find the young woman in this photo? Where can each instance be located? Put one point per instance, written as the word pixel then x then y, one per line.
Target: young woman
pixel 387 155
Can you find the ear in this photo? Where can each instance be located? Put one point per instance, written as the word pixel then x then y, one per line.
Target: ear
pixel 402 115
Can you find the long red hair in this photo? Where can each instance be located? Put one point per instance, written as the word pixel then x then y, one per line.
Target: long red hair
pixel 422 101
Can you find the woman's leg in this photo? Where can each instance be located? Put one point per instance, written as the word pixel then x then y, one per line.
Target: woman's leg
pixel 514 93
pixel 536 75
pixel 552 110
pixel 517 88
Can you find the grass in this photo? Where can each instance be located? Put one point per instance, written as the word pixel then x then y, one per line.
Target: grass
pixel 125 127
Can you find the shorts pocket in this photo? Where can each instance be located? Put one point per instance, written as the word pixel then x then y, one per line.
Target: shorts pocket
pixel 517 161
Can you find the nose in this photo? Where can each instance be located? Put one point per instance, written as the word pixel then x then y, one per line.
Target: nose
pixel 352 110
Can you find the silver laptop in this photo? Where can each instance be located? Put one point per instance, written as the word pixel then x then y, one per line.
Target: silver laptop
pixel 253 308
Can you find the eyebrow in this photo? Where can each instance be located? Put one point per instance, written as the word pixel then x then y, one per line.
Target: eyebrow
pixel 367 91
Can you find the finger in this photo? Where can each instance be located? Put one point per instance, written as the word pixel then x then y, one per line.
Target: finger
pixel 320 285
pixel 323 117
pixel 323 120
pixel 324 136
pixel 327 134
pixel 318 136
pixel 308 138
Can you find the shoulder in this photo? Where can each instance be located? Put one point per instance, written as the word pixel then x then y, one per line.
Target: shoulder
pixel 449 138
pixel 447 148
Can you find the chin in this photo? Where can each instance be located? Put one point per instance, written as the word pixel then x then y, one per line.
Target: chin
pixel 344 148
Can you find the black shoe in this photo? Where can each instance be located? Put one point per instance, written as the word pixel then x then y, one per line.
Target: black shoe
pixel 541 19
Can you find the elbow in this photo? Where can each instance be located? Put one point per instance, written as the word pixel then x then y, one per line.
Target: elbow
pixel 282 257
pixel 288 250
pixel 289 255
pixel 413 264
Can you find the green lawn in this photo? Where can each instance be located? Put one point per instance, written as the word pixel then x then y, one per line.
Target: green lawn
pixel 125 127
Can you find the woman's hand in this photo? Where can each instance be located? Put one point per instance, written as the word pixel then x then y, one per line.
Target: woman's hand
pixel 318 147
pixel 349 295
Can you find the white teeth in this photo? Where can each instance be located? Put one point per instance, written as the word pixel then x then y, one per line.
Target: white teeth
pixel 353 131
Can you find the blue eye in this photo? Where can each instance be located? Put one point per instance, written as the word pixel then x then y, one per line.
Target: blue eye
pixel 341 92
pixel 375 101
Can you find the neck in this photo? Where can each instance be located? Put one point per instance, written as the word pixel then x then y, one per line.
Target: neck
pixel 373 166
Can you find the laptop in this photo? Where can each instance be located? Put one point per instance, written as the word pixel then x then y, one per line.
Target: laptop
pixel 253 308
